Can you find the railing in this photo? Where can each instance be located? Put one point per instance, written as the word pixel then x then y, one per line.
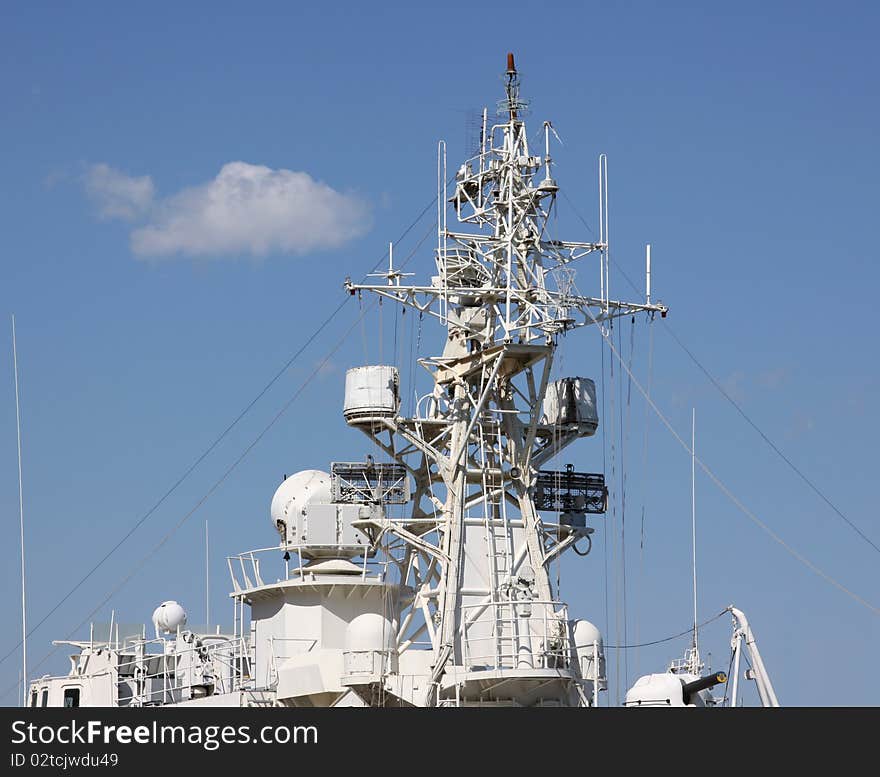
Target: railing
pixel 278 657
pixel 524 634
pixel 192 672
pixel 245 570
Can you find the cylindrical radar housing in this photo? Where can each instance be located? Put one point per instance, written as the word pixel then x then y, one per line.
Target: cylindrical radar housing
pixel 293 496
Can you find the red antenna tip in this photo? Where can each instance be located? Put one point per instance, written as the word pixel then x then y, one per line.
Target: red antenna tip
pixel 511 68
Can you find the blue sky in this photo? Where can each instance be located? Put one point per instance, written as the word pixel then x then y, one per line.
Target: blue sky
pixel 184 190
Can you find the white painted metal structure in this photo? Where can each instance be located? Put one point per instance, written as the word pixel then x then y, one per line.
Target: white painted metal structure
pixel 742 635
pixel 24 672
pixel 446 601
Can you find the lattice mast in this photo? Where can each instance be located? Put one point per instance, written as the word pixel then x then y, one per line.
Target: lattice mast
pixel 477 551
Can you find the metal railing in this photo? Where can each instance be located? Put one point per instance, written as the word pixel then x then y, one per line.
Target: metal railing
pixel 525 634
pixel 179 674
pixel 277 657
pixel 246 573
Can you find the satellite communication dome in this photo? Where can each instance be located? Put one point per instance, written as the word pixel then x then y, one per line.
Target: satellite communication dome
pixel 370 631
pixel 590 651
pixel 168 616
pixel 295 493
pixel 586 635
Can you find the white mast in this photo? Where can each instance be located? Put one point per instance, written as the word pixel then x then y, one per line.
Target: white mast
pixel 477 549
pixel 21 523
pixel 207 583
pixel 694 517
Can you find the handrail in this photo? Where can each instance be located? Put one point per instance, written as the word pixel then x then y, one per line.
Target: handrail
pixel 248 562
pixel 517 639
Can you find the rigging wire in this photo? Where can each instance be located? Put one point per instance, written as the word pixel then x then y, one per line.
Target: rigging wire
pixel 742 412
pixel 726 686
pixel 398 324
pixel 730 495
pixel 604 469
pixel 178 482
pixel 363 328
pixel 641 575
pixel 624 446
pixel 231 468
pixel 770 442
pixel 615 569
pixel 576 213
pixel 688 631
pixel 381 358
pixel 215 443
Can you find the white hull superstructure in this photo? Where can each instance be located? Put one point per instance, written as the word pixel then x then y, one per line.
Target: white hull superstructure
pixel 423 579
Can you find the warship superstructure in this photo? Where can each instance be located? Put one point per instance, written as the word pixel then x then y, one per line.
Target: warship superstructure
pixel 420 576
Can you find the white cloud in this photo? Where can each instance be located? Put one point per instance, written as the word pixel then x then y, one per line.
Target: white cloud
pixel 246 210
pixel 251 209
pixel 118 195
pixel 774 378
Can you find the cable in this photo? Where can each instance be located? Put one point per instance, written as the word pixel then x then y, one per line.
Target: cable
pixel 210 491
pixel 605 469
pixel 212 446
pixel 624 446
pixel 234 465
pixel 576 213
pixel 646 481
pixel 177 483
pixel 803 559
pixel 689 630
pixel 742 412
pixel 770 442
pixel 726 686
pixel 615 569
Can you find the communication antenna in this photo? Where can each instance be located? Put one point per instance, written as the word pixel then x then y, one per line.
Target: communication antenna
pixel 21 523
pixel 207 584
pixel 473 132
pixel 694 515
pixel 512 105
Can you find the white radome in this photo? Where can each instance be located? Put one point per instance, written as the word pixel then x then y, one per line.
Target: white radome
pixel 297 492
pixel 168 616
pixel 590 651
pixel 370 631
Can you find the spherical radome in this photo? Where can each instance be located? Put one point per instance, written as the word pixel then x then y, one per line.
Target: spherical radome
pixel 585 634
pixel 168 616
pixel 370 631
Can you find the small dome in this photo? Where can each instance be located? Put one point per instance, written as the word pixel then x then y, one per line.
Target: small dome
pixel 168 616
pixel 370 631
pixel 585 634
